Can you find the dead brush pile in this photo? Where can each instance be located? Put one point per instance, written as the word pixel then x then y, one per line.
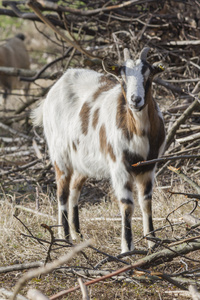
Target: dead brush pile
pixel 28 233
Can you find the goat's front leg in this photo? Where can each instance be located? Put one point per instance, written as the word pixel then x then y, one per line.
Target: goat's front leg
pixel 63 182
pixel 122 185
pixel 145 184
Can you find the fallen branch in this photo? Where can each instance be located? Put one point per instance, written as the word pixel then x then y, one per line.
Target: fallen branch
pixel 194 292
pixel 21 267
pixel 155 258
pixel 36 295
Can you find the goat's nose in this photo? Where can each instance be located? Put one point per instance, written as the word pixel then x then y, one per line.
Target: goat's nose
pixel 136 99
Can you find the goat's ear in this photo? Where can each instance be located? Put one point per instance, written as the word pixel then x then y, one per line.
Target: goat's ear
pixel 110 67
pixel 158 68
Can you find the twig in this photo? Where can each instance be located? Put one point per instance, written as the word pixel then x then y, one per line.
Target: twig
pixel 83 289
pixel 197 196
pixel 189 138
pixel 20 168
pixel 32 211
pixel 14 132
pixel 39 73
pixel 171 212
pixel 21 267
pixel 25 227
pixel 163 159
pixel 51 242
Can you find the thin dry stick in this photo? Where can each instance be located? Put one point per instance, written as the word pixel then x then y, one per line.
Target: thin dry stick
pixel 56 7
pixel 51 243
pixel 20 267
pixel 49 267
pixel 20 168
pixel 83 289
pixel 162 159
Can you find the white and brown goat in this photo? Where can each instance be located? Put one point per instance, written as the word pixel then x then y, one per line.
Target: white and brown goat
pixel 13 53
pixel 95 127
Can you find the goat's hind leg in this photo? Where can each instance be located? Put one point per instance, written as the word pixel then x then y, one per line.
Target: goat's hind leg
pixel 63 183
pixel 76 184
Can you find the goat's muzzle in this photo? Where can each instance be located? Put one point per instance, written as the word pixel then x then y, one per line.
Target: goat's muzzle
pixel 137 102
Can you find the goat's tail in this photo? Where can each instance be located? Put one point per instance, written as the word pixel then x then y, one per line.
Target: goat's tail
pixel 37 114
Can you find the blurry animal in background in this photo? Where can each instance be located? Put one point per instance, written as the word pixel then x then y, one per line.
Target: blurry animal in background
pixel 13 53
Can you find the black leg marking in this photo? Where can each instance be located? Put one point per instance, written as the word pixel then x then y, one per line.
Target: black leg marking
pixel 148 188
pixel 76 219
pixel 148 197
pixel 64 197
pixel 128 231
pixel 151 228
pixel 126 201
pixel 65 224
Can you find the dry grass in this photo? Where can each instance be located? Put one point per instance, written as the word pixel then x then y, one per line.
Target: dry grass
pixel 16 249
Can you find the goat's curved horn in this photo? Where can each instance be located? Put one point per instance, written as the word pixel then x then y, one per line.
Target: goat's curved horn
pixel 126 54
pixel 144 52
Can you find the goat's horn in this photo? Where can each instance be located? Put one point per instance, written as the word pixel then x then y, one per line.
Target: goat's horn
pixel 126 54
pixel 144 52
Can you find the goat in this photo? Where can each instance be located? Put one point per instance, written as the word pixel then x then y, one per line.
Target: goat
pixel 98 128
pixel 13 53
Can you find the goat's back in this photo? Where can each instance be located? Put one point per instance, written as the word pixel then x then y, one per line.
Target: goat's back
pixel 76 109
pixel 13 54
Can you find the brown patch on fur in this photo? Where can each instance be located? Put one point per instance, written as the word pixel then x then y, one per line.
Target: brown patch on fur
pixel 125 119
pixel 157 129
pixel 74 146
pixel 105 85
pixel 78 182
pixel 103 138
pixel 84 115
pixel 62 182
pixel 105 147
pixel 95 118
pixel 110 151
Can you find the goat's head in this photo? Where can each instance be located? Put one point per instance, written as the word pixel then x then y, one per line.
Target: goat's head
pixel 135 77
